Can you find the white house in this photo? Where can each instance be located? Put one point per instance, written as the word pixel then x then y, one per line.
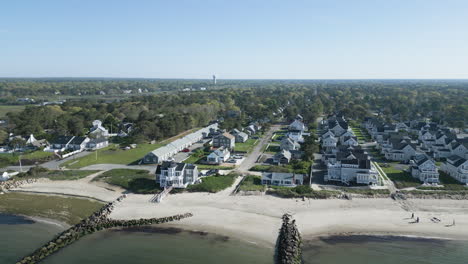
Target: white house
pixel 282 179
pixel 98 130
pixel 295 135
pixel 63 143
pixel 218 156
pixel 282 157
pixel 424 169
pixel 329 142
pixel 361 171
pixel 401 152
pixel 241 137
pixel 457 168
pixel 177 175
pixel 289 144
pixel 349 141
pixel 297 125
pixel 97 143
pixel 460 149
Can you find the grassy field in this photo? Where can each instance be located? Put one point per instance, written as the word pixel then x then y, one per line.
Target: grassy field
pixel 136 181
pixel 4 109
pixel 252 183
pixel 213 184
pixel 360 134
pixel 402 179
pixel 247 146
pixel 64 209
pixel 112 155
pixel 27 158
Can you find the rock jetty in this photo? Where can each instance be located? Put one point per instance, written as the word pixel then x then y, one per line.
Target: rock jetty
pixel 289 242
pixel 96 222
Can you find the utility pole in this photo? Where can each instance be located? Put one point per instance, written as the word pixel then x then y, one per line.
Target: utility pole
pixel 96 153
pixel 21 167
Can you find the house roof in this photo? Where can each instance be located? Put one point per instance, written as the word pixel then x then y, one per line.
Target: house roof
pixel 78 140
pixel 282 176
pixel 62 140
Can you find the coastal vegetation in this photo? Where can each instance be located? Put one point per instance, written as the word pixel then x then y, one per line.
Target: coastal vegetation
pixel 252 183
pixel 402 179
pixel 55 175
pixel 135 181
pixel 300 192
pixel 27 158
pixel 69 210
pixel 213 184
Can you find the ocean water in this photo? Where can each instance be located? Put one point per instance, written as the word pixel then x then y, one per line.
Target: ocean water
pixel 19 236
pixel 384 250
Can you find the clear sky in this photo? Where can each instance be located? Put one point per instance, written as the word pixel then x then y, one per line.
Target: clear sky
pixel 287 39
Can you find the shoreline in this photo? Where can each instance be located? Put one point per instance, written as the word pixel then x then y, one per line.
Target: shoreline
pixel 38 219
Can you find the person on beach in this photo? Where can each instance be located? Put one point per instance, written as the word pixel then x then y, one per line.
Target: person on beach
pixel 453 222
pixel 412 215
pixel 417 219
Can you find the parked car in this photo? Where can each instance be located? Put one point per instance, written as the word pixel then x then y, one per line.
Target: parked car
pixel 211 172
pixel 186 150
pixel 232 161
pixel 238 156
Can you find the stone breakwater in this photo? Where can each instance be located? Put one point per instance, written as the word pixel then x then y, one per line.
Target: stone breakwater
pixel 289 242
pixel 11 184
pixel 96 222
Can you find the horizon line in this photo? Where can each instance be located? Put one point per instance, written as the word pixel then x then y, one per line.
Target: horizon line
pixel 220 79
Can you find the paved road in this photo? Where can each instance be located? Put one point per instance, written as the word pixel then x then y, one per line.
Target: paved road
pixel 251 159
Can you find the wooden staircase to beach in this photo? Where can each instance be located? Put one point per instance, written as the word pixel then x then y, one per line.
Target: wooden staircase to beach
pixel 157 198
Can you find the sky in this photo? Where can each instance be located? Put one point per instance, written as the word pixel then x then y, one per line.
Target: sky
pixel 252 39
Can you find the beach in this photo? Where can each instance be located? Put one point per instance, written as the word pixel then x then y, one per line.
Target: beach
pixel 257 219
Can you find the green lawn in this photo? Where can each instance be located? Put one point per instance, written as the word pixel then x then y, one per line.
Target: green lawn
pixel 136 181
pixel 402 179
pixel 4 109
pixel 213 184
pixel 362 136
pixel 273 149
pixel 69 210
pixel 252 183
pixel 302 167
pixel 213 167
pixel 112 155
pixel 247 146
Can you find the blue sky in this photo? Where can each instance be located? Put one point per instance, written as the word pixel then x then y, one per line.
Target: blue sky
pixel 235 39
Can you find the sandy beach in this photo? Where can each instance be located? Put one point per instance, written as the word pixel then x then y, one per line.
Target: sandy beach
pixel 257 219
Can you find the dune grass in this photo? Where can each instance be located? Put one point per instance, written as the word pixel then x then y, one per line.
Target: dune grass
pixel 136 181
pixel 64 209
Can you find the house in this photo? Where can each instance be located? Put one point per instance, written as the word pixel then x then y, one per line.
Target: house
pixel 401 152
pixel 289 144
pixel 349 141
pixel 295 135
pixel 241 137
pixel 352 168
pixel 63 143
pixel 224 140
pixel 282 179
pixel 166 152
pixel 283 157
pixel 97 143
pixel 460 148
pixel 235 131
pixel 297 125
pixel 218 156
pixel 250 130
pixel 329 142
pixel 98 130
pixel 177 175
pixel 33 142
pixel 424 169
pixel 457 168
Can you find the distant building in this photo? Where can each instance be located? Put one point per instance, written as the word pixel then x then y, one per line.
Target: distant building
pixel 224 140
pixel 218 156
pixel 214 79
pixel 98 130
